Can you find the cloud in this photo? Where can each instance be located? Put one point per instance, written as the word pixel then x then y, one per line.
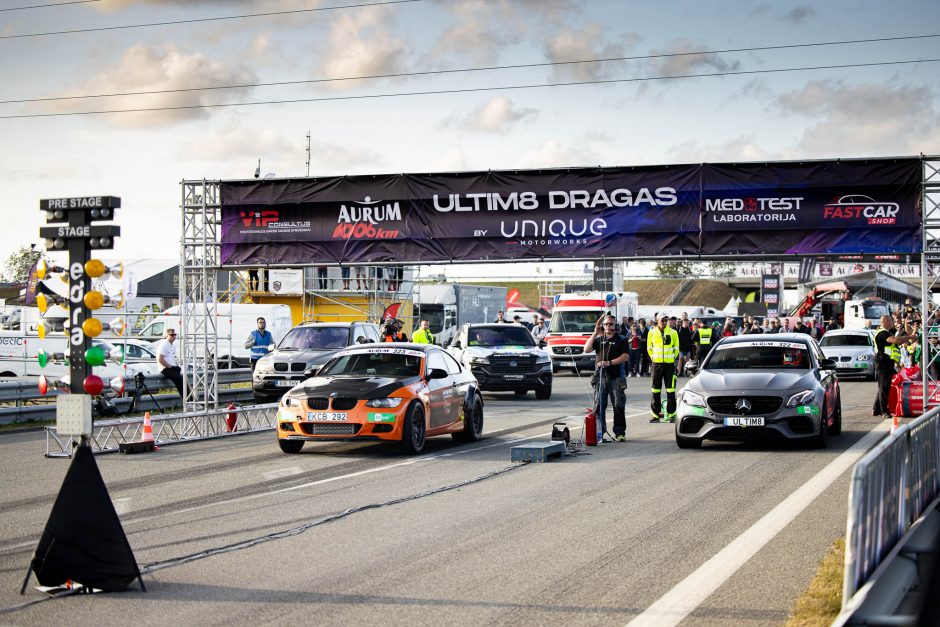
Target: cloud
pixel 234 151
pixel 110 6
pixel 680 62
pixel 555 154
pixel 864 119
pixel 800 14
pixel 573 45
pixel 361 43
pixel 144 68
pixel 743 148
pixel 497 115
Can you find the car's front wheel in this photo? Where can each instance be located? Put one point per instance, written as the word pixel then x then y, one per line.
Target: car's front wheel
pixel 822 438
pixel 544 393
pixel 836 428
pixel 291 446
pixel 413 432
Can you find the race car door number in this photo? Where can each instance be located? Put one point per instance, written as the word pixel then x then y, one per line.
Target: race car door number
pixel 333 416
pixel 744 421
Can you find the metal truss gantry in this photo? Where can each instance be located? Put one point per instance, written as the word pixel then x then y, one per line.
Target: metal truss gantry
pixel 930 277
pixel 199 264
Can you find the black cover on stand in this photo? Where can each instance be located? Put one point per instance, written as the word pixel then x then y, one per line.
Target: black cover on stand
pixel 83 540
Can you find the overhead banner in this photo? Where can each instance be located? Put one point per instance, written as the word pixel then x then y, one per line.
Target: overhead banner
pixel 869 206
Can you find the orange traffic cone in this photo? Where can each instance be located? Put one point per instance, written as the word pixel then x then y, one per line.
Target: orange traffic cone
pixel 148 428
pixel 894 425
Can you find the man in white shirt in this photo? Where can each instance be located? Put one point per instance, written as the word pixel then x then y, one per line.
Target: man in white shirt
pixel 166 357
pixel 539 331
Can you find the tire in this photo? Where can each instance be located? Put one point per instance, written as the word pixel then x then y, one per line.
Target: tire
pixel 472 423
pixel 822 439
pixel 521 392
pixel 291 446
pixel 682 442
pixel 555 368
pixel 414 430
pixel 836 428
pixel 543 393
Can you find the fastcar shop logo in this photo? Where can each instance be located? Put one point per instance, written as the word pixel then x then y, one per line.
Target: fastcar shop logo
pixel 853 207
pixel 365 219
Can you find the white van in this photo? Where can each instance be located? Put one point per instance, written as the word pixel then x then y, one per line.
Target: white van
pixel 19 356
pixel 234 323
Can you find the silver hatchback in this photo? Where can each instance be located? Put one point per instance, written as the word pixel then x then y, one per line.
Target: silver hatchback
pixel 761 387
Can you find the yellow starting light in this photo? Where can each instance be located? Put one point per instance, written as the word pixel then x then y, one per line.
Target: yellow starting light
pixel 42 303
pixel 41 330
pixel 41 269
pixel 94 300
pixel 95 268
pixel 92 327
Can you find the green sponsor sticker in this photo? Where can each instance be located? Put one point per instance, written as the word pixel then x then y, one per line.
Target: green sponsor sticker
pixel 807 409
pixel 375 416
pixel 697 411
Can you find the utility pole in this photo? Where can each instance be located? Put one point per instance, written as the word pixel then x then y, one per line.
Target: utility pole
pixel 308 153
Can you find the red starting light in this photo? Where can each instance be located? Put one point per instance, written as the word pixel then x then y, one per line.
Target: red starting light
pixel 43 385
pixel 93 384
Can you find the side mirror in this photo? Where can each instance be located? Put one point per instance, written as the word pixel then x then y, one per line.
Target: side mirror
pixel 455 344
pixel 437 373
pixel 311 371
pixel 827 364
pixel 542 343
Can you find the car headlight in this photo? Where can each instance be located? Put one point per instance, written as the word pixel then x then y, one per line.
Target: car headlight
pixel 543 359
pixel 864 357
pixel 801 398
pixel 476 361
pixel 693 398
pixel 384 403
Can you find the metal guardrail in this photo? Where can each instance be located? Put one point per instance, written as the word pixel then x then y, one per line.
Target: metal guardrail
pixel 892 486
pixel 24 390
pixel 107 435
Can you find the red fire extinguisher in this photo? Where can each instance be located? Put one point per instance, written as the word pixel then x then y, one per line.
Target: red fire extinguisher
pixel 231 420
pixel 590 427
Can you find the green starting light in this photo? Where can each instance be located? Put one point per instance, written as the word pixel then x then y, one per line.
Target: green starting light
pixel 95 356
pixel 42 358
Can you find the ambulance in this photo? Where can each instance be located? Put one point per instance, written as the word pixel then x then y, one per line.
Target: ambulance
pixel 573 320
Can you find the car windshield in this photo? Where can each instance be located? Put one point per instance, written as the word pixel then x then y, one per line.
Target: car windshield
pixel 573 321
pixel 874 311
pixel 373 364
pixel 756 356
pixel 300 338
pixel 845 340
pixel 435 318
pixel 507 335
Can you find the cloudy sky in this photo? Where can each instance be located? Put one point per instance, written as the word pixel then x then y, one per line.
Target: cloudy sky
pixel 619 112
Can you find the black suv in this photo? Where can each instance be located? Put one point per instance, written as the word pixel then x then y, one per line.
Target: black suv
pixel 504 357
pixel 303 350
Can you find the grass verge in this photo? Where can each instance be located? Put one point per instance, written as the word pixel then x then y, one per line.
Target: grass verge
pixel 821 601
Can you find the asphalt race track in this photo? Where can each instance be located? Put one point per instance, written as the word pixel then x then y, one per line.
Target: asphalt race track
pixel 638 531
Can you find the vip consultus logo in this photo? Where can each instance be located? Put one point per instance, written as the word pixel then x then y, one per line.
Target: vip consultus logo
pixel 260 218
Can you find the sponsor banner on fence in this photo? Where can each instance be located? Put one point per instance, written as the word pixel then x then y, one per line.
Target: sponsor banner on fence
pixel 653 211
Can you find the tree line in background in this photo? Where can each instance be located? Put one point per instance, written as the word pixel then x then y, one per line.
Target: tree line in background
pixel 687 269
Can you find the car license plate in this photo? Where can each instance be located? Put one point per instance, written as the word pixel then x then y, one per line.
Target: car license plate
pixel 286 384
pixel 513 376
pixel 330 416
pixel 744 421
pixel 861 365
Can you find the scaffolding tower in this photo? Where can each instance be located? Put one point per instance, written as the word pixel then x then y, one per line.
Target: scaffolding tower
pixel 929 278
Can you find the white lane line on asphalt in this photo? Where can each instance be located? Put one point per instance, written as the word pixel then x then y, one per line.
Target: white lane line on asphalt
pixel 688 594
pixel 121 506
pixel 323 481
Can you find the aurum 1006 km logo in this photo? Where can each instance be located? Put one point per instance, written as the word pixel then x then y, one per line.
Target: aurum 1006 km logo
pixel 367 219
pixel 856 206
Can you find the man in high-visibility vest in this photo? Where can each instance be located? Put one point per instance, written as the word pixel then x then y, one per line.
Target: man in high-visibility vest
pixel 259 342
pixel 663 347
pixel 423 335
pixel 887 356
pixel 702 338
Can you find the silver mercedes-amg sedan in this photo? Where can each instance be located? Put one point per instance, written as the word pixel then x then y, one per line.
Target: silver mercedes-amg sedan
pixel 753 387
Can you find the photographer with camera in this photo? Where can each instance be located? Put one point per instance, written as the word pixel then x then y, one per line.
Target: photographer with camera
pixel 166 357
pixel 391 332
